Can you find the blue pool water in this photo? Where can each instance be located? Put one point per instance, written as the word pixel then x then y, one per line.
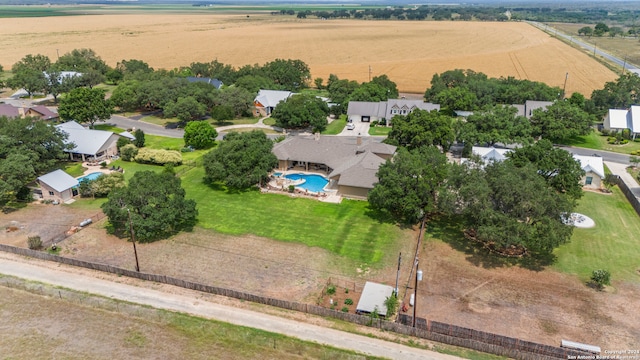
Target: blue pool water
pixel 315 183
pixel 91 176
pixel 277 174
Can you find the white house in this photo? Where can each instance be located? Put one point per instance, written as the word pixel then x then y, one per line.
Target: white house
pixel 267 100
pixel 592 166
pixel 619 119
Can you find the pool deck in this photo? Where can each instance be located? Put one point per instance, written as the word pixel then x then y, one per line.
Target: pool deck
pixel 280 185
pixel 93 168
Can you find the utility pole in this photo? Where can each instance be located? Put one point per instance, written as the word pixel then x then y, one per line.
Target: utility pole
pixel 624 66
pixel 133 240
pixel 564 88
pixel 369 73
pixel 415 292
pixel 398 273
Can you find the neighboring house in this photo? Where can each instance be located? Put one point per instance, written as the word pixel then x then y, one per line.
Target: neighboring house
pixel 373 299
pixel 350 164
pixel 89 144
pixel 592 166
pixel 617 119
pixel 127 135
pixel 215 82
pixel 531 105
pixel 366 111
pixel 267 100
pixel 39 111
pixel 58 186
pixel 66 75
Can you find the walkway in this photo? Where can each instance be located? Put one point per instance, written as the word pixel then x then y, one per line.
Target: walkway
pixel 621 170
pixel 109 286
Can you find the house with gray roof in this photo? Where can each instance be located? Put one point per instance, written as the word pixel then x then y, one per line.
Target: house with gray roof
pixel 89 144
pixel 350 163
pixel 366 111
pixel 39 111
pixel 531 105
pixel 267 100
pixel 215 82
pixel 58 186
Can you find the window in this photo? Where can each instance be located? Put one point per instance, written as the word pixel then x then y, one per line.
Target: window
pixel 51 193
pixel 589 180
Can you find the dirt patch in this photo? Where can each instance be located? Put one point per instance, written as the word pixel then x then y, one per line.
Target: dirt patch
pixel 540 306
pixel 409 52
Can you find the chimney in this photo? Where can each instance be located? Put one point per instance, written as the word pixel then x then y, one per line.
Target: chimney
pixel 359 140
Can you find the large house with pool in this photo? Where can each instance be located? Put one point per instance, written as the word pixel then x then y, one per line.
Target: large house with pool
pixel 349 163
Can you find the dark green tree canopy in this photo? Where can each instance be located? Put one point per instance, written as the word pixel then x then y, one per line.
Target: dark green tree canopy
pixel 290 74
pixel 157 205
pixel 422 128
pixel 301 111
pixel 241 161
pixel 556 166
pixel 370 92
pixel 619 94
pixel 27 149
pixel 185 109
pixel 83 61
pixel 496 124
pixel 409 183
pixel 85 105
pixel 199 135
pixel 508 207
pixel 390 86
pixel 561 121
pixel 30 80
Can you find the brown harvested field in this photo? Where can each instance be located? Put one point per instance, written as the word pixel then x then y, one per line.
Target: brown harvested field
pixel 408 52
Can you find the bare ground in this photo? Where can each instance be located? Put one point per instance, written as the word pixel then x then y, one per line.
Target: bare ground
pixel 541 306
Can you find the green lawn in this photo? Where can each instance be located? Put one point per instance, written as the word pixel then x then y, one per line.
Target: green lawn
pixel 241 121
pixel 74 169
pixel 106 127
pixel 348 229
pixel 613 244
pixel 336 126
pixel 379 130
pixel 598 142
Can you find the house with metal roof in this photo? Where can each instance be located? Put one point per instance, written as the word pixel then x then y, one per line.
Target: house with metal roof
pixel 366 111
pixel 58 186
pixel 531 105
pixel 621 119
pixel 350 163
pixel 267 100
pixel 89 144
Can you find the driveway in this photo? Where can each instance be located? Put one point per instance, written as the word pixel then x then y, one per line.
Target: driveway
pixel 108 286
pixel 361 129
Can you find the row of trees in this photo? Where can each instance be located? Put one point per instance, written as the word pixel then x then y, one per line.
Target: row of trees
pixel 601 28
pixel 520 203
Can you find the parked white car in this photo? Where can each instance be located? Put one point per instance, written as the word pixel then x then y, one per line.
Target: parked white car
pixel 350 126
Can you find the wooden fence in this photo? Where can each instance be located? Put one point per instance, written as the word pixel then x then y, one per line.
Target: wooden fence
pixel 426 329
pixel 633 200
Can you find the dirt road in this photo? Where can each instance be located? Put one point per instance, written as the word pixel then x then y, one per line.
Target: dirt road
pixel 66 277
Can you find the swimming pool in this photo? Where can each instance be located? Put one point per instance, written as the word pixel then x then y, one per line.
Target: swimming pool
pixel 91 176
pixel 315 183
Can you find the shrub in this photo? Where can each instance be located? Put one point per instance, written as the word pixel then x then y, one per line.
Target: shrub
pixel 291 189
pixel 605 132
pixel 331 289
pixel 139 141
pixel 128 152
pixel 103 164
pixel 34 242
pixel 392 305
pixel 158 157
pixel 348 301
pixel 122 141
pixel 346 290
pixel 373 123
pixel 345 309
pixel 601 278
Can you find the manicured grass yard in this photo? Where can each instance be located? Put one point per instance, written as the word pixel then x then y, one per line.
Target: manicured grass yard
pixel 346 229
pixel 336 126
pixel 379 130
pixel 613 244
pixel 598 142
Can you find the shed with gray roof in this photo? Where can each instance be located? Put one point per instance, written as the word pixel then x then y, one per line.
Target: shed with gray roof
pixel 58 186
pixel 373 298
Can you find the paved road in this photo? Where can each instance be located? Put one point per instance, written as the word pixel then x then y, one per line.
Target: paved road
pixel 63 276
pixel 592 48
pixel 607 156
